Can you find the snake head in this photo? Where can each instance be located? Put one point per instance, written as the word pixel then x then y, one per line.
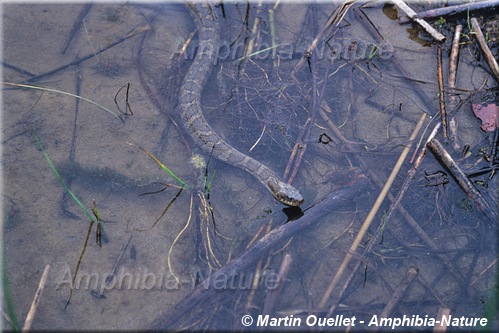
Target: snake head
pixel 285 193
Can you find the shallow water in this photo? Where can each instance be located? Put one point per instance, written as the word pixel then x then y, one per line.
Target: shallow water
pixel 260 109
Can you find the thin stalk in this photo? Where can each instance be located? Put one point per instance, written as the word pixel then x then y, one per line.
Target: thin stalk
pixel 29 86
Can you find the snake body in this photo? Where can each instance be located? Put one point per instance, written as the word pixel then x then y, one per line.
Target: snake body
pixel 191 111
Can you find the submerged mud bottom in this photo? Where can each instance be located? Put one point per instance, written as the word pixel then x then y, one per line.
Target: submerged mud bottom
pixel 203 291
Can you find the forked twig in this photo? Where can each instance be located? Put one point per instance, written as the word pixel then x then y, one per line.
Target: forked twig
pixel 130 34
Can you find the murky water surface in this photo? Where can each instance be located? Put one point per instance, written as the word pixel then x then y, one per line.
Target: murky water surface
pixel 347 105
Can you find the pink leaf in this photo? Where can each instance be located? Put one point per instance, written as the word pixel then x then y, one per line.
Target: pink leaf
pixel 488 114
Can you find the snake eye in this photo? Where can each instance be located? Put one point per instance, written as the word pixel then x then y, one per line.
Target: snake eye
pixel 273 185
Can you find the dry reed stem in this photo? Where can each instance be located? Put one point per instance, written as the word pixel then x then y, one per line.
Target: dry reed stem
pixel 371 215
pixel 273 295
pixel 36 299
pixel 399 293
pixel 453 61
pixel 441 93
pixel 442 327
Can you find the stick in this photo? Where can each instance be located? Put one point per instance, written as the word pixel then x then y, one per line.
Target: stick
pixel 442 327
pixel 370 217
pixel 453 58
pixel 441 93
pixel 272 297
pixel 409 277
pixel 443 156
pixel 301 145
pixel 36 299
pixel 452 10
pixel 129 35
pixel 364 19
pixel 333 21
pixel 76 26
pixel 414 16
pixel 205 290
pixel 412 223
pixel 453 61
pixel 111 276
pixel 489 57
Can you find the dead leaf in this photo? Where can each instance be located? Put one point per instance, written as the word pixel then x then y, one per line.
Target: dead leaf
pixel 488 114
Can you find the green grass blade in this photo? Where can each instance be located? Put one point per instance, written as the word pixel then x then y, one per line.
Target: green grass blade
pixel 9 303
pixel 165 168
pixel 58 176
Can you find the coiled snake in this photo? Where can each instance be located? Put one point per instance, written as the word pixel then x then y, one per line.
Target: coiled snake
pixel 192 112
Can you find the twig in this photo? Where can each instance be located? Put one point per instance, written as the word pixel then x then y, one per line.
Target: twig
pixel 409 277
pixel 442 327
pixel 395 201
pixel 76 26
pixel 300 146
pixel 272 296
pixel 489 57
pixel 336 199
pixel 17 69
pixel 72 150
pixel 441 93
pixel 110 277
pixel 333 21
pixel 370 216
pixel 449 266
pixel 411 175
pixel 414 16
pixel 129 35
pixel 443 156
pixel 36 299
pixel 364 19
pixel 151 95
pixel 453 61
pixel 452 10
pixel 453 58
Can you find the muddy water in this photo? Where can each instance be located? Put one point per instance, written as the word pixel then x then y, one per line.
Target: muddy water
pixel 259 108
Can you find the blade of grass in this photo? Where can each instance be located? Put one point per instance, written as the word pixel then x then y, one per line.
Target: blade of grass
pixel 92 221
pixel 165 168
pixel 58 176
pixel 28 86
pixel 208 186
pixel 7 296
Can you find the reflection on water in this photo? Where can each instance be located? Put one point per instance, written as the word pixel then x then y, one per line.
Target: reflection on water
pixel 435 253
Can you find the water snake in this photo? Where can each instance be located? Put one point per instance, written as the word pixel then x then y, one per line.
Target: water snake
pixel 191 111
